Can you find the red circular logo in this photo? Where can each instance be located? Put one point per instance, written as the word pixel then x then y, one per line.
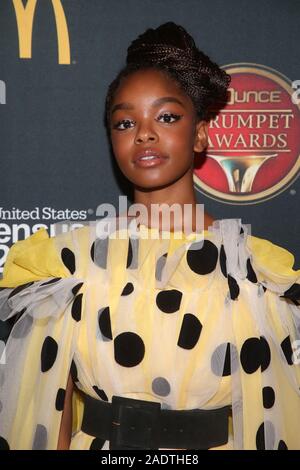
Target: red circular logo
pixel 254 143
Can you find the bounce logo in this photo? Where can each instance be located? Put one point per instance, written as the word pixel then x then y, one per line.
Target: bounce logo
pixel 254 143
pixel 25 17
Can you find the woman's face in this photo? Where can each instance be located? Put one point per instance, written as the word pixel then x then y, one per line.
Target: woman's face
pixel 154 131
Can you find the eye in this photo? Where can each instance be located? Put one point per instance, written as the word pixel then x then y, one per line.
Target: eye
pixel 125 123
pixel 169 118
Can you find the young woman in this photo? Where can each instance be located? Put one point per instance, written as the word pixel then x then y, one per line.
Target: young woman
pixel 157 340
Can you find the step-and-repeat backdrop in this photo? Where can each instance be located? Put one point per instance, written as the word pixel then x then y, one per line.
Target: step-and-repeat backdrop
pixel 57 58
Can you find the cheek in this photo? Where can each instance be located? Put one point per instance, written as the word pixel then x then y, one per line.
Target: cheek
pixel 181 152
pixel 180 138
pixel 120 148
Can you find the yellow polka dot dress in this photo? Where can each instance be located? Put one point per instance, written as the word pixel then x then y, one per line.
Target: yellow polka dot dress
pixel 192 321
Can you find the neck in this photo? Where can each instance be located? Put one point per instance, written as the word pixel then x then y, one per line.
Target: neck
pixel 180 193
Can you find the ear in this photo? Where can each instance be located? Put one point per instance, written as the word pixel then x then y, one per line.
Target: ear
pixel 201 136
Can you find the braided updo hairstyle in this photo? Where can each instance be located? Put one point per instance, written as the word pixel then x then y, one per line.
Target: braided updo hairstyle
pixel 171 49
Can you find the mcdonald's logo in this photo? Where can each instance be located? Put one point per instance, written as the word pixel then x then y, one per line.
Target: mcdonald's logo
pixel 25 16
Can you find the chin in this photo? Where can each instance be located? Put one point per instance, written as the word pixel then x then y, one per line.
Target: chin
pixel 151 185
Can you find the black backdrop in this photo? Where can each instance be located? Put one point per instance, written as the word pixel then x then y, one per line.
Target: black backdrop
pixel 54 149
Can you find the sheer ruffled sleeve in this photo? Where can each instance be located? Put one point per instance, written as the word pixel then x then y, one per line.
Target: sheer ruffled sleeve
pixel 41 299
pixel 263 307
pixel 238 291
pixel 32 259
pixel 275 267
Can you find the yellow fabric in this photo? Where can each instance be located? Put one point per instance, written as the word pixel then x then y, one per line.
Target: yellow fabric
pixel 273 258
pixel 38 257
pixel 32 259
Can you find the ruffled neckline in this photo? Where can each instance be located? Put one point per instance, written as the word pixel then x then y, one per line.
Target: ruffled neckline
pixel 173 235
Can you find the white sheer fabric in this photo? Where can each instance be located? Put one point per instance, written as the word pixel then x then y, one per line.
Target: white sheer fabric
pixel 189 323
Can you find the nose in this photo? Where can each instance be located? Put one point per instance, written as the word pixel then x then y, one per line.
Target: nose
pixel 144 134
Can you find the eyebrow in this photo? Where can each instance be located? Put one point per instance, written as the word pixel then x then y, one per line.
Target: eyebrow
pixel 158 102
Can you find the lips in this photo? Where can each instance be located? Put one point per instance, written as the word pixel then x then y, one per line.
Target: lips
pixel 149 158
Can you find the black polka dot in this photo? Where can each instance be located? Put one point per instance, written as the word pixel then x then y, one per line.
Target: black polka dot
pixel 19 289
pixel 68 258
pixel 129 349
pixel 251 276
pixel 100 393
pixel 22 327
pixel 161 386
pixel 227 366
pixel 260 435
pixel 93 251
pixel 255 353
pixel 4 444
pixel 168 301
pixel 52 281
pixel 202 260
pixel 76 307
pixel 268 397
pixel 221 360
pixel 40 438
pixel 73 371
pixel 128 289
pixel 97 443
pixel 190 331
pixel 250 355
pixel 234 289
pixel 60 399
pixel 20 314
pixel 241 231
pixel 48 354
pixel 287 350
pixel 6 327
pixel 223 261
pixel 293 293
pixel 132 254
pixel 99 252
pixel 77 288
pixel 282 445
pixel 129 254
pixel 265 353
pixel 104 323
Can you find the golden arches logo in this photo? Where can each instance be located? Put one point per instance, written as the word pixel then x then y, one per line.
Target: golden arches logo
pixel 25 16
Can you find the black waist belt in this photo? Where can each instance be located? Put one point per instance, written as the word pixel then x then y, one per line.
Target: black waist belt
pixel 138 424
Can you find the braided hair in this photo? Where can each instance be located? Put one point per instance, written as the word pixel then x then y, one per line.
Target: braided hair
pixel 171 49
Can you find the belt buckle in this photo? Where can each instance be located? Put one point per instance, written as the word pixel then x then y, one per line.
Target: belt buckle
pixel 135 424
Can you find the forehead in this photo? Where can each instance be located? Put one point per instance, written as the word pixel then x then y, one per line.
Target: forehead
pixel 148 83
